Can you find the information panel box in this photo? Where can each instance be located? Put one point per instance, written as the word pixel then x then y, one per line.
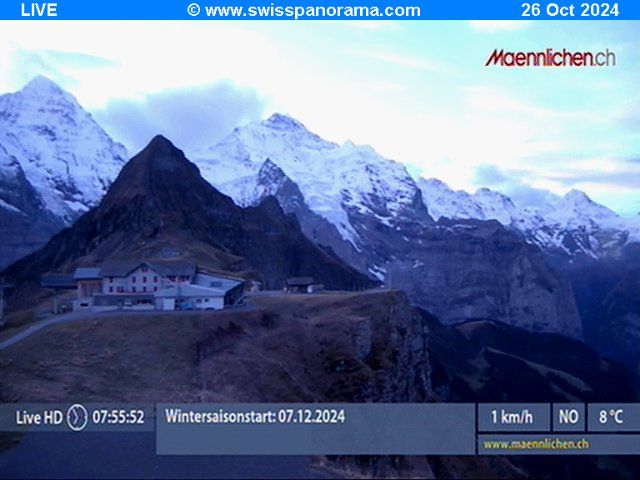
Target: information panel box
pixel 558 444
pixel 614 417
pixel 514 417
pixel 569 417
pixel 320 429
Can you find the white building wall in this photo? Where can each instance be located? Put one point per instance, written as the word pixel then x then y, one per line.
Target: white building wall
pixel 166 304
pixel 111 286
pixel 142 278
pixel 208 303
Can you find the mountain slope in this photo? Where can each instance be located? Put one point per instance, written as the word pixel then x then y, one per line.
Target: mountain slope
pixel 272 181
pixel 159 200
pixel 26 223
pixel 54 153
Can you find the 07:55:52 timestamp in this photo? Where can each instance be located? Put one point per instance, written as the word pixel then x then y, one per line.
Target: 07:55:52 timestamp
pixel 118 417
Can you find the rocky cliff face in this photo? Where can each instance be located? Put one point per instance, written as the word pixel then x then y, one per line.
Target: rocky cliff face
pixel 26 222
pixel 607 296
pixel 361 347
pixel 614 326
pixel 478 270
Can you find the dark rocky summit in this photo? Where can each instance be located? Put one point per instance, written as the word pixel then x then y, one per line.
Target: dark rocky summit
pixel 159 200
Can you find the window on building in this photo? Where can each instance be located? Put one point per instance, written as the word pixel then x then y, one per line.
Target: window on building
pixel 133 289
pixel 110 289
pixel 145 269
pixel 155 279
pixel 120 290
pixel 144 289
pixel 155 289
pixel 110 279
pixel 133 279
pixel 144 279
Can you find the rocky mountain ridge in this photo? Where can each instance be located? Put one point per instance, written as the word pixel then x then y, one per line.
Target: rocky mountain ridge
pixel 572 226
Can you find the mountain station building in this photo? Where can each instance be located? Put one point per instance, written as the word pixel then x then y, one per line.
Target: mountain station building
pixel 152 285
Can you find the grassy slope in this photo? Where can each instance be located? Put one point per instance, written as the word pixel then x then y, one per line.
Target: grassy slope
pixel 249 354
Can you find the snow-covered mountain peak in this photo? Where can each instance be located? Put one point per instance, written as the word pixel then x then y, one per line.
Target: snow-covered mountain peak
pixel 281 121
pixel 41 86
pixel 335 180
pixel 66 156
pixel 37 97
pixel 488 193
pixel 442 201
pixel 435 183
pixel 577 209
pixel 578 200
pixel 496 206
pixel 576 196
pixel 361 151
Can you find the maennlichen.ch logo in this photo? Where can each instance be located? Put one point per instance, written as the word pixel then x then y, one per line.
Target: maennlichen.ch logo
pixel 551 58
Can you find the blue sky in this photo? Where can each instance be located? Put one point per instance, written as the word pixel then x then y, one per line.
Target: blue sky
pixel 418 92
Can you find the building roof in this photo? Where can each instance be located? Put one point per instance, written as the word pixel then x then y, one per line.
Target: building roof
pixel 57 280
pixel 163 267
pixel 189 291
pixel 300 281
pixel 216 281
pixel 87 273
